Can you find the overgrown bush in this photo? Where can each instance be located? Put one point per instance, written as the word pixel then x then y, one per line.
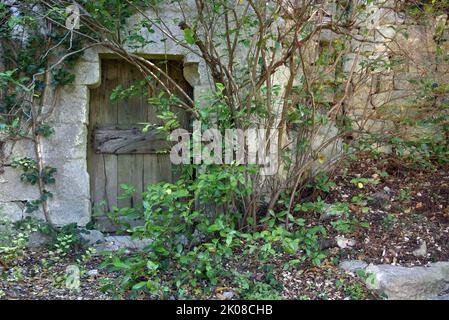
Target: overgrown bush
pixel 200 246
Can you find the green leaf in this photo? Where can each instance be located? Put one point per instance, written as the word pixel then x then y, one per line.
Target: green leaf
pixel 140 285
pixel 189 36
pixel 152 266
pixel 220 87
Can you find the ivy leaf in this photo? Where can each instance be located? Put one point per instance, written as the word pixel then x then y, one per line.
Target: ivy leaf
pixel 188 36
pixel 220 87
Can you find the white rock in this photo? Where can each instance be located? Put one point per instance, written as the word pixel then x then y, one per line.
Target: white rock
pixel 114 243
pixel 421 251
pixel 402 283
pixel 330 211
pixel 92 273
pixel 228 295
pixel 344 243
pixel 353 265
pixel 38 239
pixel 92 237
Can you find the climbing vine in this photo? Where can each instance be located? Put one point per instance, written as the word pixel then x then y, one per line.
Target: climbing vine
pixel 36 58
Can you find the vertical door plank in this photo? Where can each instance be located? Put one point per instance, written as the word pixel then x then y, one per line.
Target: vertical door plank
pixel 94 165
pixel 151 161
pixel 104 112
pixel 130 112
pixel 108 116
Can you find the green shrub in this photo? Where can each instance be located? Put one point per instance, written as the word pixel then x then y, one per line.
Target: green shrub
pixel 194 248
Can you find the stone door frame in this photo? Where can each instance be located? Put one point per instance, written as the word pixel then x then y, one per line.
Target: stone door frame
pixel 67 149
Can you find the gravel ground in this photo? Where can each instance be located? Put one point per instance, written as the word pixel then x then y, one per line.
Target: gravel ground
pixel 30 279
pixel 400 222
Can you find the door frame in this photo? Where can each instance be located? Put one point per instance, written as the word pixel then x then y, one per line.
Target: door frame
pixel 92 159
pixel 75 101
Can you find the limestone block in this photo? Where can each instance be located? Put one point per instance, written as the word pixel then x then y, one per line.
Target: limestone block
pixel 402 81
pixel 363 46
pixel 10 212
pixel 114 243
pixel 379 13
pixel 361 92
pixel 72 180
pixel 372 18
pixel 377 125
pixel 417 43
pixel 193 57
pixel 362 112
pixel 418 133
pixel 158 43
pixel 12 189
pixel 205 77
pixel 72 105
pixel 68 142
pixel 105 224
pixel 92 237
pixel 392 98
pixel 327 35
pixel 389 16
pixel 200 92
pixel 38 239
pixel 350 59
pixel 87 73
pixel 191 74
pixel 65 212
pixel 37 214
pixel 384 82
pixel 330 153
pixel 91 55
pixel 385 33
pixel 18 149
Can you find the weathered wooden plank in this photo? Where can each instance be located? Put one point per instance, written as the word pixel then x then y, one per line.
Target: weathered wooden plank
pixel 130 112
pixel 103 168
pixel 113 140
pixel 108 114
pixel 95 167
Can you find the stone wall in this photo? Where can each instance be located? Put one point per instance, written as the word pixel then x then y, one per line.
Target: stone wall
pixel 385 96
pixel 66 149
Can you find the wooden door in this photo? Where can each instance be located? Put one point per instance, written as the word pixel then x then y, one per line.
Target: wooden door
pixel 118 152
